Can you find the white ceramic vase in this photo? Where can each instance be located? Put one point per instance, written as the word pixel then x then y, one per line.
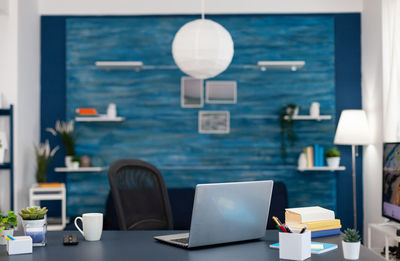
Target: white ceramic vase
pixel 302 161
pixel 6 232
pixel 314 109
pixel 333 162
pixel 351 250
pixel 68 161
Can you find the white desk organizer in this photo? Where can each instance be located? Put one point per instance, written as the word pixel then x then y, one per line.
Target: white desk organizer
pixel 21 245
pixel 295 246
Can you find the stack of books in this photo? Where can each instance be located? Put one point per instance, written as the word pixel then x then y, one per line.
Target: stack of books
pixel 314 155
pixel 86 111
pixel 320 221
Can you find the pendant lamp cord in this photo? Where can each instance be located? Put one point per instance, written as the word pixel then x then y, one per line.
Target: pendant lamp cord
pixel 202 9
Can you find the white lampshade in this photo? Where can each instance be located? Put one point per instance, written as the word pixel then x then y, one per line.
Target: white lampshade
pixel 353 128
pixel 202 49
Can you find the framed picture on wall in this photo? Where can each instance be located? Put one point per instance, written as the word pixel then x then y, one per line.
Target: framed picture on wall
pixel 221 92
pixel 214 122
pixel 192 92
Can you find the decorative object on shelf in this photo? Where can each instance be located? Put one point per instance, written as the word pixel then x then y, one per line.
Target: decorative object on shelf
pixel 35 224
pixel 86 111
pixel 66 131
pixel 314 109
pixel 7 225
pixel 214 122
pixel 302 161
pixel 353 130
pixel 221 92
pixel 86 161
pixel 3 146
pixel 351 244
pixel 286 122
pixel 333 157
pixel 44 155
pixel 112 110
pixel 202 48
pixel 192 92
pixel 75 162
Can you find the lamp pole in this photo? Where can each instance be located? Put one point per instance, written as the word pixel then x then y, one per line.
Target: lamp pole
pixel 353 154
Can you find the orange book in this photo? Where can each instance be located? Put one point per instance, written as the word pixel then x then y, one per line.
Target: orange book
pixel 50 185
pixel 86 111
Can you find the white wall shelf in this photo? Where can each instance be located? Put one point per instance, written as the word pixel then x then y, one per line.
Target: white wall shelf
pixel 82 169
pixel 100 118
pixel 325 168
pixel 261 65
pixel 309 117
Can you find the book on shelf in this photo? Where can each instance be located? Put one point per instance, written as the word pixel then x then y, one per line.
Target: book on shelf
pixel 314 155
pixel 50 185
pixel 86 111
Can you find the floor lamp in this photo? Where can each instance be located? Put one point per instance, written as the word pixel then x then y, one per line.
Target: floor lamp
pixel 353 130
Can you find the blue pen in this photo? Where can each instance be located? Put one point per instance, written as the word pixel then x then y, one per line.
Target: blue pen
pixel 10 237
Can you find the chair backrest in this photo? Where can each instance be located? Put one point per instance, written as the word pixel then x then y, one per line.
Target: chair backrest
pixel 140 196
pixel 279 202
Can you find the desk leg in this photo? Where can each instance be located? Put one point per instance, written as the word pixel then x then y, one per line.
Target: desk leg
pixel 386 248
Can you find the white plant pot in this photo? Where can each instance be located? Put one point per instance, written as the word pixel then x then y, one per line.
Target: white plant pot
pixel 351 250
pixel 74 165
pixel 333 162
pixel 37 230
pixel 2 155
pixel 68 161
pixel 7 232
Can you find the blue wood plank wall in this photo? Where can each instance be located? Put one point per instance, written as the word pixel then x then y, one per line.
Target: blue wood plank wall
pixel 159 131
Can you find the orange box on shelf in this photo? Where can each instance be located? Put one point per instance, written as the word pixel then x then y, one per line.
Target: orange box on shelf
pixel 87 111
pixel 50 185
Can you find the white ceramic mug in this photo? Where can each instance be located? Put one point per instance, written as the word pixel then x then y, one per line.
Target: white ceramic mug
pixel 92 224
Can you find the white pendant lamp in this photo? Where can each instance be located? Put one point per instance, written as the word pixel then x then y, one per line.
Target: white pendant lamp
pixel 202 48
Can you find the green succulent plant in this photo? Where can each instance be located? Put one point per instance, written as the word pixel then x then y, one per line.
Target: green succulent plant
pixel 333 152
pixel 351 235
pixel 33 213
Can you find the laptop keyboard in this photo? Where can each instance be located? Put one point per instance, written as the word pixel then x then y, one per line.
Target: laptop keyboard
pixel 184 240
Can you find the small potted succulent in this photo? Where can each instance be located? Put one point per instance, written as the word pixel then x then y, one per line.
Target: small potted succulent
pixel 333 157
pixel 7 224
pixel 75 162
pixel 35 224
pixel 351 244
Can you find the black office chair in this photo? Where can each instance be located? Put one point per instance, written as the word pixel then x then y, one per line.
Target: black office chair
pixel 279 202
pixel 140 196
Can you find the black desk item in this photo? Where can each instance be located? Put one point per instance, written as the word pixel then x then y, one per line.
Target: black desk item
pixel 70 240
pixel 140 245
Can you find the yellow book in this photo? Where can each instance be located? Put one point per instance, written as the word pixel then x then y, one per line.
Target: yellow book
pixel 296 227
pixel 316 224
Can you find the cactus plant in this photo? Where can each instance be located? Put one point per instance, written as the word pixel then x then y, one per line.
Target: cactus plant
pixel 33 213
pixel 351 236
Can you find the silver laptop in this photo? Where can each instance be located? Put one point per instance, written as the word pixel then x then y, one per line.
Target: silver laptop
pixel 226 212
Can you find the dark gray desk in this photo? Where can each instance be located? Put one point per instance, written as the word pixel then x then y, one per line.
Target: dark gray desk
pixel 140 246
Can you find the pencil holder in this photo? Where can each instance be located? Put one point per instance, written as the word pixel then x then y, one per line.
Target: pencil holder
pixel 295 246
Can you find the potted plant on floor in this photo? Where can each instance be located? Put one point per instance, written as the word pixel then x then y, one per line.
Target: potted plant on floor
pixel 44 155
pixel 351 244
pixel 287 131
pixel 35 224
pixel 7 224
pixel 66 131
pixel 333 157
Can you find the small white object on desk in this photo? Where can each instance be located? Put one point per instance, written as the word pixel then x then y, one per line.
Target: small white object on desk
pixel 295 246
pixel 21 245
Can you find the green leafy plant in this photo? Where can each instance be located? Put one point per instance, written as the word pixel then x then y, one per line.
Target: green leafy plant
pixel 33 213
pixel 66 131
pixel 333 152
pixel 351 235
pixel 76 159
pixel 287 131
pixel 9 221
pixel 44 155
